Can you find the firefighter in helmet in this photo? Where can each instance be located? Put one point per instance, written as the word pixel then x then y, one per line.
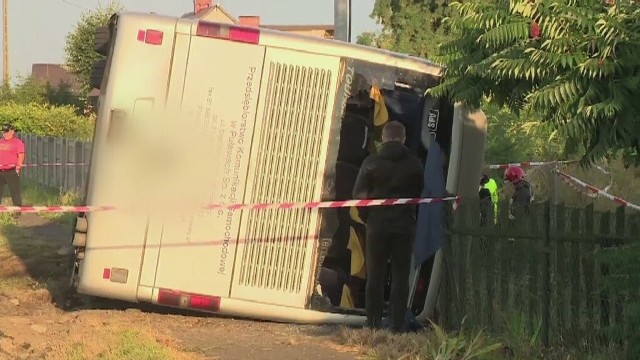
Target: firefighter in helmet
pixel 522 192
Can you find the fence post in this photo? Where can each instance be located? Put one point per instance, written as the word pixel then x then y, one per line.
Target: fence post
pixel 41 159
pixel 78 169
pixel 64 174
pixel 86 159
pixel 57 169
pixel 546 278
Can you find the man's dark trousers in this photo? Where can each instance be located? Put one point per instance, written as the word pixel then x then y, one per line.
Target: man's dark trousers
pixel 11 178
pixel 384 243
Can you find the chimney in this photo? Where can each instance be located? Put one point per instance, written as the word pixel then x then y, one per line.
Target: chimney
pixel 199 5
pixel 253 21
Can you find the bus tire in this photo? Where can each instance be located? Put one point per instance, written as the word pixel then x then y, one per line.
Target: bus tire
pixel 97 73
pixel 81 225
pixel 103 40
pixel 79 239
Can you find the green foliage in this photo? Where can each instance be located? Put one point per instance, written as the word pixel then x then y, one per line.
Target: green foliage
pixel 134 345
pixel 47 120
pixel 433 344
pixel 519 138
pixel 26 91
pixel 413 27
pixel 367 38
pixel 623 279
pixel 30 91
pixel 63 96
pixel 582 76
pixel 79 49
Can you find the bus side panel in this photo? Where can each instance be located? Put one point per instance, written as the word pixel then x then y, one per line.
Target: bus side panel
pixel 276 260
pixel 221 92
pixel 135 88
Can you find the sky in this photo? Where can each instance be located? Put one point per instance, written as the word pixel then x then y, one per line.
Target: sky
pixel 37 28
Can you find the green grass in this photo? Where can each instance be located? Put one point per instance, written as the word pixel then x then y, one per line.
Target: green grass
pixel 133 345
pixel 514 342
pixel 78 352
pixel 128 345
pixel 430 344
pixel 20 244
pixel 34 194
pixel 7 284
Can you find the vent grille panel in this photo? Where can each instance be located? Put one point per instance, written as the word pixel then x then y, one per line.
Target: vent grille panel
pixel 287 168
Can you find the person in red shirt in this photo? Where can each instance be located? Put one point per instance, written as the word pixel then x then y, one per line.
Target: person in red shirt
pixel 12 152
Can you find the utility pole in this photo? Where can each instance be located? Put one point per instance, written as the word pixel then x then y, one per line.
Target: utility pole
pixel 5 42
pixel 342 20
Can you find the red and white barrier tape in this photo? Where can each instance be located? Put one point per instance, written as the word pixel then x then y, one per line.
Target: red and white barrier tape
pixel 597 191
pixel 578 188
pixel 529 164
pixel 587 192
pixel 44 164
pixel 265 206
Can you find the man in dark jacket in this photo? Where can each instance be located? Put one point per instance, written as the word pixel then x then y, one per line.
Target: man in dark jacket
pixel 392 173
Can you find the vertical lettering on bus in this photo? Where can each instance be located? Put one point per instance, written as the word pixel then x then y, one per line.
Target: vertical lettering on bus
pixel 234 158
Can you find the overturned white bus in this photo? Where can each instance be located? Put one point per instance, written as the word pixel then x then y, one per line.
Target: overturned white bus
pixel 194 112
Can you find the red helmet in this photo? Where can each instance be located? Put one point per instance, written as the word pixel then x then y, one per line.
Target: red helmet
pixel 514 174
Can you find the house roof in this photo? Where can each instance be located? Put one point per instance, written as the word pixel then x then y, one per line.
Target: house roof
pixel 299 27
pixel 55 75
pixel 218 7
pixel 211 9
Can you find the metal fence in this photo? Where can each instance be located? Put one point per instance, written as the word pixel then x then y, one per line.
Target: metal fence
pixel 56 162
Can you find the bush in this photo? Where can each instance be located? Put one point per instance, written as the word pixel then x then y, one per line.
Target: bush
pixel 47 120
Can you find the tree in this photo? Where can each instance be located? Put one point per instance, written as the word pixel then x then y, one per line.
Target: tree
pixel 575 64
pixel 513 138
pixel 367 38
pixel 410 26
pixel 63 95
pixel 26 91
pixel 80 52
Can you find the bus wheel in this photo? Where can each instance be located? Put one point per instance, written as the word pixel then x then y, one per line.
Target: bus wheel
pixel 73 269
pixel 79 239
pixel 81 224
pixel 102 40
pixel 97 73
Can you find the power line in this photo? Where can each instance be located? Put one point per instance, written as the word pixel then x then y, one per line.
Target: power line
pixel 75 5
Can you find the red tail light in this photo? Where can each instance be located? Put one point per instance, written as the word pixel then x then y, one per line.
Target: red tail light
pixel 189 301
pixel 205 302
pixel 151 37
pixel 233 33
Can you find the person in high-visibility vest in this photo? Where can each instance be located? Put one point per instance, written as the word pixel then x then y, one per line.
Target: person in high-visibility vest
pixel 490 184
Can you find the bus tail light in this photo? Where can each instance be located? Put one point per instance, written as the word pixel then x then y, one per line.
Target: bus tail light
pixel 233 33
pixel 189 301
pixel 151 37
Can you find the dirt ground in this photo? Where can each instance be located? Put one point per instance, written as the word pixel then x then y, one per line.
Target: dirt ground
pixel 37 321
